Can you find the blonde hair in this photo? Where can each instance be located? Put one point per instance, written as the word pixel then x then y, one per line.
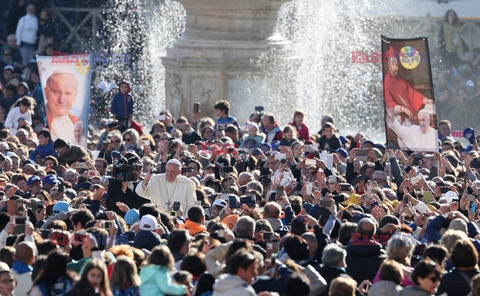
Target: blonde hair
pixel 342 286
pixel 450 237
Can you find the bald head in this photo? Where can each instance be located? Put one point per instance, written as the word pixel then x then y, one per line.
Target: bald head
pixel 271 210
pixel 25 252
pixel 366 226
pixel 244 178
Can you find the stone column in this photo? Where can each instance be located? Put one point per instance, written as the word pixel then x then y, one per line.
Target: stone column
pixel 224 53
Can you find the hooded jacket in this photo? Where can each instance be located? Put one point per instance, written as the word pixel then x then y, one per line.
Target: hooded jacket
pixel 194 228
pixel 44 151
pixel 229 284
pixel 364 259
pixel 122 105
pixel 275 134
pixel 156 280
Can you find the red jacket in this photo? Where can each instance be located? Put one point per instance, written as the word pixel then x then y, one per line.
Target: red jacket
pixel 303 133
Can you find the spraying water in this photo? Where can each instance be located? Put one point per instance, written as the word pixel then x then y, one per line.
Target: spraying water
pixel 315 74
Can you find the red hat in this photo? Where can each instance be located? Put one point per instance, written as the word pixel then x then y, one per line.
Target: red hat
pixel 390 53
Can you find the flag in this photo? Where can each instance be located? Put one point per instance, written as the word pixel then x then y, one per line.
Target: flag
pixel 410 113
pixel 65 81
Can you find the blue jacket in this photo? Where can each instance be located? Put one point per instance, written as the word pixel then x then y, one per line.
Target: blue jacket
pixel 44 151
pixel 222 122
pixel 156 280
pixel 122 106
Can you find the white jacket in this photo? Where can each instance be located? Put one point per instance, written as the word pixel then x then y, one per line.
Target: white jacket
pixel 27 28
pixel 24 285
pixel 14 116
pixel 230 285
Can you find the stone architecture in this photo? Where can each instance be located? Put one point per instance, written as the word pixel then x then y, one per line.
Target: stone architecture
pixel 218 55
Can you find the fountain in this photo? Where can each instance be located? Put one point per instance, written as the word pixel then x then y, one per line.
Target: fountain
pixel 218 55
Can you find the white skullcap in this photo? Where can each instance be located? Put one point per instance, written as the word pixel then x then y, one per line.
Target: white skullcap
pixel 175 162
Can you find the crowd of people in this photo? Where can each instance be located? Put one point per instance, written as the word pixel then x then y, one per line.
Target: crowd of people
pixel 206 206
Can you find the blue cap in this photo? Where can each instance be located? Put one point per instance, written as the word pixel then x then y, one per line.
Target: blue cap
pixel 275 145
pixel 33 179
pixel 342 152
pixel 83 186
pixel 307 206
pixel 367 141
pixel 343 139
pixel 132 216
pixel 469 134
pixel 467 149
pixel 50 179
pixel 61 206
pixel 265 145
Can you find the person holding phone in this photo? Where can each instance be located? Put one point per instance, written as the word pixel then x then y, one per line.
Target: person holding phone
pixel 189 135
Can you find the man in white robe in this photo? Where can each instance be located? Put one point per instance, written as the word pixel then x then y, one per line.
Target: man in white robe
pixel 417 137
pixel 165 189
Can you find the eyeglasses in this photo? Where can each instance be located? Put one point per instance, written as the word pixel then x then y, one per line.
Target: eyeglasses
pixel 127 139
pixel 434 279
pixel 118 141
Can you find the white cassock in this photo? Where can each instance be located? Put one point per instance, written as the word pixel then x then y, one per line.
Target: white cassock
pixel 63 128
pixel 414 139
pixel 164 193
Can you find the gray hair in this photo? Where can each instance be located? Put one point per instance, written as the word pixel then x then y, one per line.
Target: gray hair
pixel 332 254
pixel 390 194
pixel 256 185
pixel 245 226
pixel 366 226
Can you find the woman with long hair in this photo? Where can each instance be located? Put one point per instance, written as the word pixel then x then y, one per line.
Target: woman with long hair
pixel 20 115
pixel 94 281
pixel 54 279
pixel 156 278
pixel 124 280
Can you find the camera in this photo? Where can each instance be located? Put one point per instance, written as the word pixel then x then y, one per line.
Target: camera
pixel 259 109
pixel 243 156
pixel 123 171
pixel 176 206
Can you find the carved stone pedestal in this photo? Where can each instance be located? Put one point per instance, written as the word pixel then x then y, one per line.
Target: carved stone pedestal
pixel 226 52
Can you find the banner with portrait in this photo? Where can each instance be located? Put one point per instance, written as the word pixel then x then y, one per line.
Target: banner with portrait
pixel 410 113
pixel 65 84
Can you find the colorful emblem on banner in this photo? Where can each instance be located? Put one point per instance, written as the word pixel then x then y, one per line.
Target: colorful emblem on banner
pixel 409 57
pixel 83 66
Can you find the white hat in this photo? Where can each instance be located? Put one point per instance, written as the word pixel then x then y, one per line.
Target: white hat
pixel 219 202
pixel 4 266
pixel 175 162
pixel 450 196
pixel 148 223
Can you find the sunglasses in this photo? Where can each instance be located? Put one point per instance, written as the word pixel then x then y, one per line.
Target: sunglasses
pixel 127 139
pixel 118 141
pixel 434 279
